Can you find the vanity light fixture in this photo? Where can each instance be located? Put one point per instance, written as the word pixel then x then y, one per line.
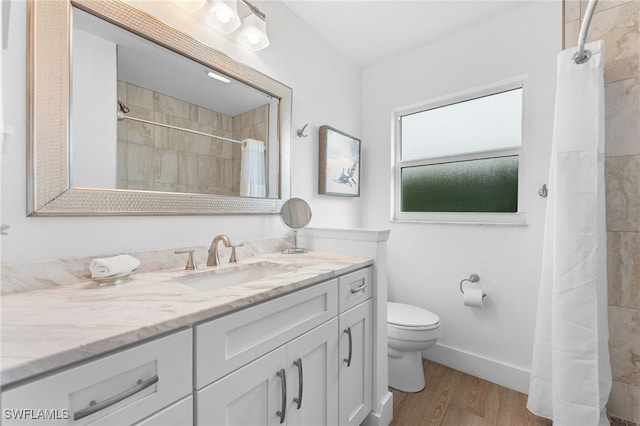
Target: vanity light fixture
pixel 217 76
pixel 223 15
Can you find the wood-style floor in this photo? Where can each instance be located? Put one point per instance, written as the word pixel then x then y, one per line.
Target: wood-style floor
pixel 453 398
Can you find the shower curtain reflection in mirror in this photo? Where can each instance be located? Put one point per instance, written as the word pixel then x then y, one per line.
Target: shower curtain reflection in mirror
pixel 252 169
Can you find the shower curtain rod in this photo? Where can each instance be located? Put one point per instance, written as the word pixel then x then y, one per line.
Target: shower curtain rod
pixel 583 55
pixel 124 110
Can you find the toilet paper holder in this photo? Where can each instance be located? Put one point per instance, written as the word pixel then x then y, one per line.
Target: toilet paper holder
pixel 473 278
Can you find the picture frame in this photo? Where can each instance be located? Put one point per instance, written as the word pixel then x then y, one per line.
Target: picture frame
pixel 339 163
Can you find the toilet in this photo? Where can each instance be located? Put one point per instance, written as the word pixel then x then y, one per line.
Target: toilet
pixel 410 330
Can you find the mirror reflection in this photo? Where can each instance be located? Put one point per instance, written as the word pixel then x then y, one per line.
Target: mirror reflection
pixel 295 214
pixel 161 122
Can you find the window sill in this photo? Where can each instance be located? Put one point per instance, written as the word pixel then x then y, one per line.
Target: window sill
pixel 495 219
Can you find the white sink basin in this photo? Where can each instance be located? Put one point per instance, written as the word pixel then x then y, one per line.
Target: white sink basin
pixel 239 274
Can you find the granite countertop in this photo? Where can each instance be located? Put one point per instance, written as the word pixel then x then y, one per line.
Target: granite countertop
pixel 43 330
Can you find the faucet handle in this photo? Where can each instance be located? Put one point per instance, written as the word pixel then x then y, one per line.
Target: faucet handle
pixel 191 264
pixel 233 258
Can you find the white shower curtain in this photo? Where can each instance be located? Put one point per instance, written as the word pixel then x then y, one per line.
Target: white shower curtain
pixel 252 169
pixel 571 373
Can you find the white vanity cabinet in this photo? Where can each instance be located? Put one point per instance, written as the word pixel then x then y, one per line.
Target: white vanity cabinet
pixel 268 341
pixel 295 384
pixel 356 372
pixel 303 358
pixel 285 361
pixel 248 396
pixel 123 388
pixel 356 361
pixel 229 342
pixel 312 377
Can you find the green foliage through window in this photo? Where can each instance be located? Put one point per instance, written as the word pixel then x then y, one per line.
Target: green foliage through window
pixel 484 185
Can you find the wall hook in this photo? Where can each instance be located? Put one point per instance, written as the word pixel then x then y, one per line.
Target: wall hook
pixel 300 132
pixel 543 192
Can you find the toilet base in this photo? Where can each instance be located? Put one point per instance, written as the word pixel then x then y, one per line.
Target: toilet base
pixel 406 373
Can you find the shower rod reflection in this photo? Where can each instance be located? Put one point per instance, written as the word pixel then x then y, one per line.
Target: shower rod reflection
pixel 122 116
pixel 583 55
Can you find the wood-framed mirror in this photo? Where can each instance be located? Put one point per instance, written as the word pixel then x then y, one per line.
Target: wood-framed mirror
pixel 55 187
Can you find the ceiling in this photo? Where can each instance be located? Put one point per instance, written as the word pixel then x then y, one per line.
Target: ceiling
pixel 370 31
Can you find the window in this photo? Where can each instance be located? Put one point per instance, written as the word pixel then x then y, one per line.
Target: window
pixel 458 159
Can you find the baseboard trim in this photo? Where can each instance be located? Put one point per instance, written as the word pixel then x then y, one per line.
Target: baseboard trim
pixel 384 417
pixel 494 371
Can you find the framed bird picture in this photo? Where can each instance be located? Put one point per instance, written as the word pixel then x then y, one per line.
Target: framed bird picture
pixel 339 163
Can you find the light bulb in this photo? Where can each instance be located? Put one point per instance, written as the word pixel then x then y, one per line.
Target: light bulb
pixel 253 38
pixel 223 15
pixel 253 33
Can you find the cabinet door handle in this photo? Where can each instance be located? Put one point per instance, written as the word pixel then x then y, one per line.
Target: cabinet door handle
pixel 358 289
pixel 348 360
pixel 283 379
pixel 298 400
pixel 94 406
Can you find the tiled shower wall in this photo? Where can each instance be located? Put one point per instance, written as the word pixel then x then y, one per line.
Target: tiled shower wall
pixel 616 22
pixel 156 158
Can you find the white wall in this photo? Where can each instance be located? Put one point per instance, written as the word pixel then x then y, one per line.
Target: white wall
pixel 326 90
pixel 427 261
pixel 94 102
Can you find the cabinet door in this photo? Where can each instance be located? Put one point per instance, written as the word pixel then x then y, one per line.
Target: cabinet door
pixel 252 395
pixel 355 364
pixel 312 377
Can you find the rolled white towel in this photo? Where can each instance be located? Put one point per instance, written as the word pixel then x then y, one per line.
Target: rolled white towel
pixel 111 266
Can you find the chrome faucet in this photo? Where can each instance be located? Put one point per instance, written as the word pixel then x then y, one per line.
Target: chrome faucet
pixel 213 259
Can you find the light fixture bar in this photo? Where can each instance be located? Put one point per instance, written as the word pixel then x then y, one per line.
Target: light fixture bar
pixel 254 9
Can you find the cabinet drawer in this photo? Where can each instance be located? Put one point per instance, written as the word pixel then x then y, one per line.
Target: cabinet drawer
pixel 355 288
pixel 178 414
pixel 121 388
pixel 229 342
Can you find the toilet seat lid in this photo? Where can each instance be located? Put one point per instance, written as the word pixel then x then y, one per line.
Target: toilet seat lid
pixel 404 315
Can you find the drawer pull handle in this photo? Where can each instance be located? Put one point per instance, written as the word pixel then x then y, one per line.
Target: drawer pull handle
pixel 283 378
pixel 298 400
pixel 348 360
pixel 94 406
pixel 358 289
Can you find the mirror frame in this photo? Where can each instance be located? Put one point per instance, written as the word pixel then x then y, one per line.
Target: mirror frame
pixel 48 116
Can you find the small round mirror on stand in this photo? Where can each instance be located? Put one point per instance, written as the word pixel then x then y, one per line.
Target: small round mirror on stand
pixel 295 214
